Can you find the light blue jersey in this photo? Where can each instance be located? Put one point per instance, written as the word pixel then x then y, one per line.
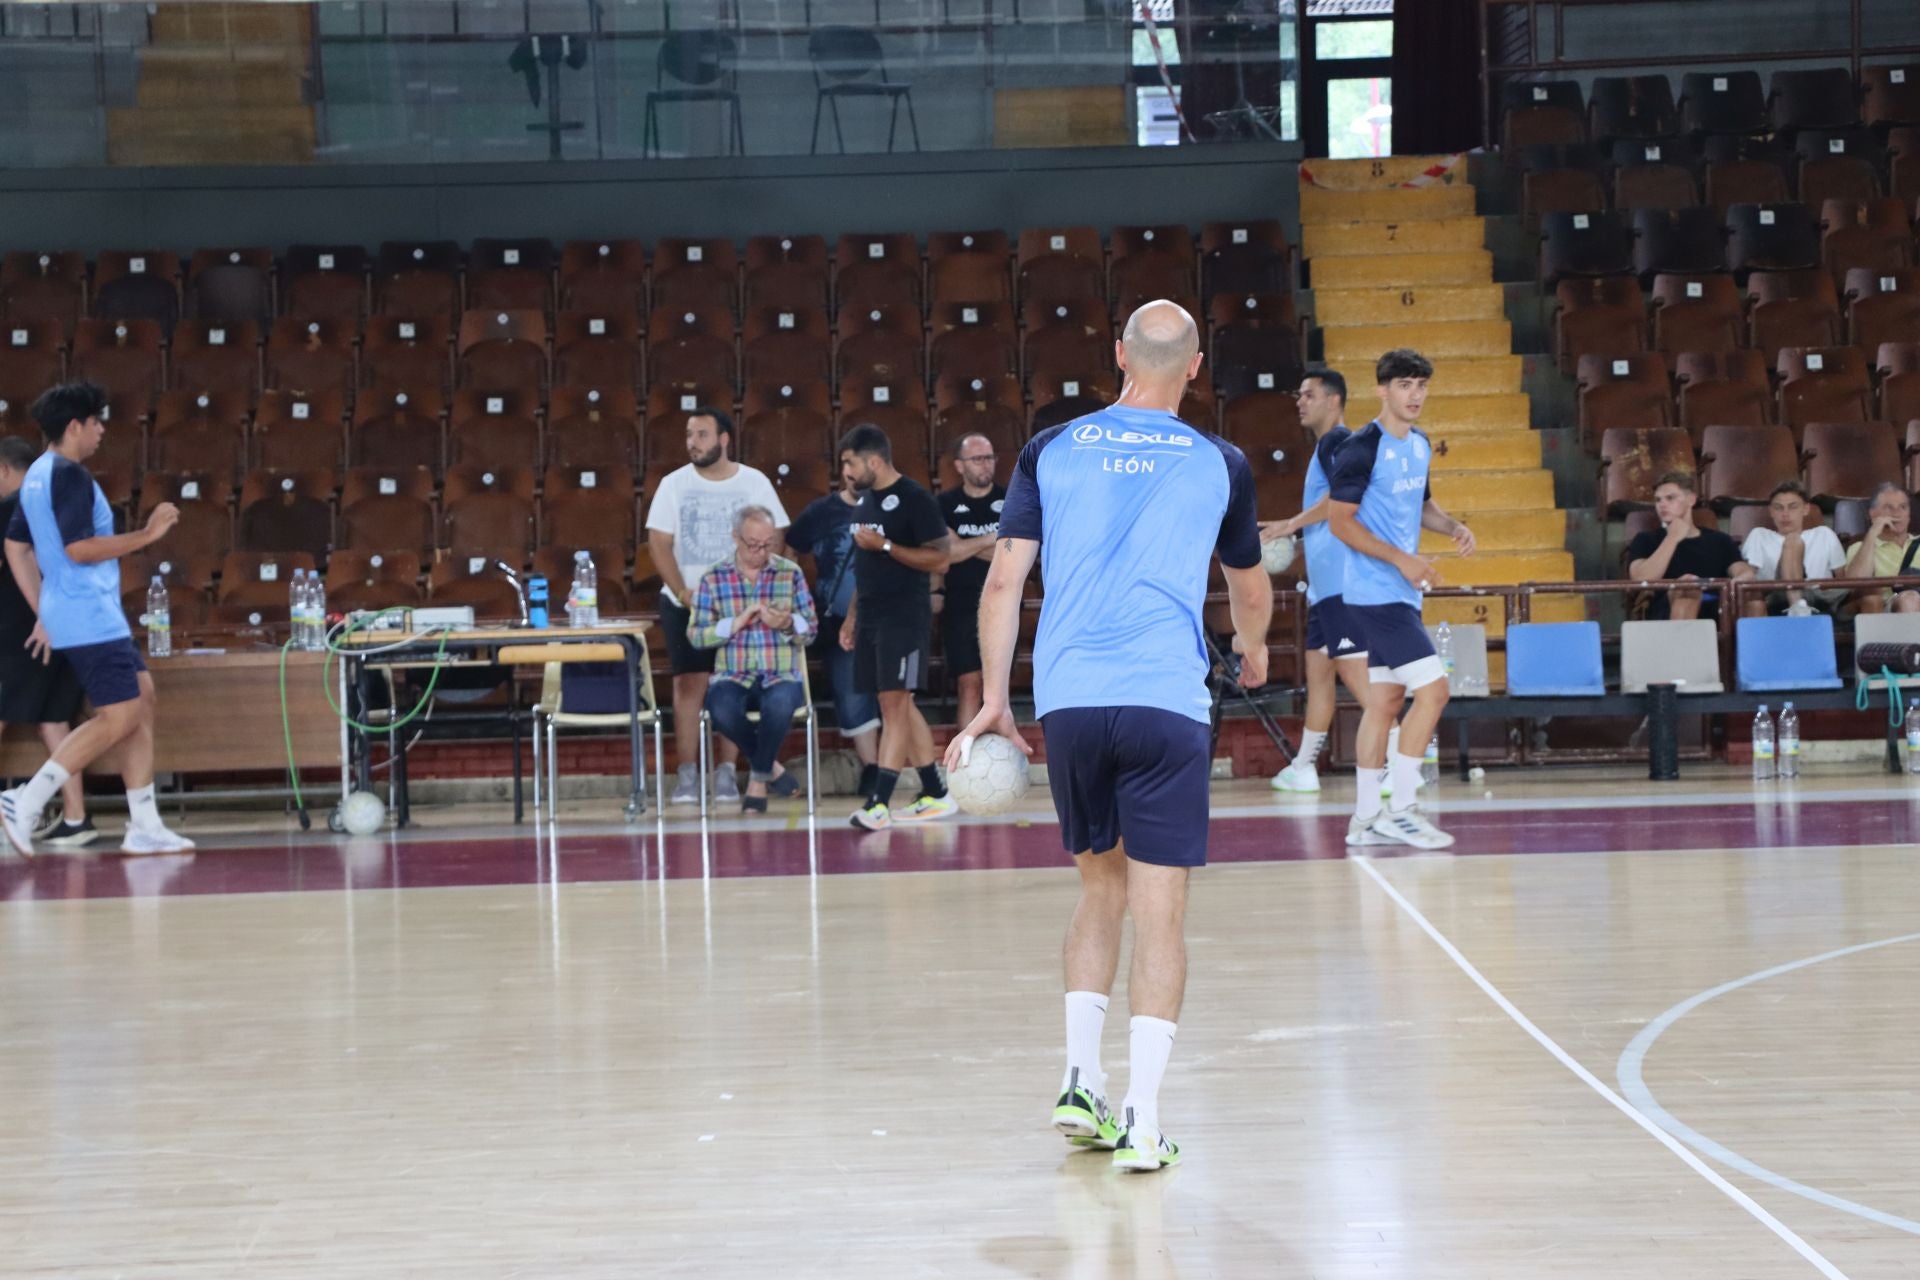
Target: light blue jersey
pixel 60 504
pixel 1128 506
pixel 1387 478
pixel 1326 554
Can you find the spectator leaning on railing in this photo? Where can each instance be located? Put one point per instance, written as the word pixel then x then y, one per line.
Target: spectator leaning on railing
pixel 1888 551
pixel 1682 552
pixel 1790 551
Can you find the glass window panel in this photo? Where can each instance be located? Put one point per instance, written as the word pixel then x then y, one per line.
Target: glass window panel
pixel 1370 39
pixel 1359 118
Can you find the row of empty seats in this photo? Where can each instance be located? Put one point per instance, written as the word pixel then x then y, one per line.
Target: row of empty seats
pixel 1840 235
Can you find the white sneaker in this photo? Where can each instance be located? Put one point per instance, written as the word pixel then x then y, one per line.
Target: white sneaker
pixel 686 785
pixel 1298 776
pixel 143 840
pixel 17 822
pixel 1410 826
pixel 1142 1149
pixel 1360 831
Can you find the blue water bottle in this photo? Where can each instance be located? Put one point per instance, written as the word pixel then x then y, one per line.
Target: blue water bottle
pixel 537 600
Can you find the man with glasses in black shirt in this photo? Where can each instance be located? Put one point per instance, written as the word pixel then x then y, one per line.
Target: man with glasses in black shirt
pixel 972 513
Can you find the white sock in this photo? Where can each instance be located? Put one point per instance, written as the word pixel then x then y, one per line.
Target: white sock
pixel 1086 1018
pixel 142 809
pixel 1366 801
pixel 40 789
pixel 1311 740
pixel 1149 1041
pixel 1406 780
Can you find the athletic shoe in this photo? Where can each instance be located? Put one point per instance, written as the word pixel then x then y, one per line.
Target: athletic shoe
pixel 1298 776
pixel 1360 831
pixel 726 784
pixel 50 818
pixel 17 822
pixel 928 807
pixel 1410 826
pixel 873 818
pixel 1084 1118
pixel 71 835
pixel 1143 1150
pixel 141 840
pixel 686 785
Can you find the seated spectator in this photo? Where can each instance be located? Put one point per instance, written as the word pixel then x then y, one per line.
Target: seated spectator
pixel 1887 551
pixel 1791 551
pixel 1682 552
pixel 756 610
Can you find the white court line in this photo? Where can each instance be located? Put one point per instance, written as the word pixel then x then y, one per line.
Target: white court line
pixel 1633 1084
pixel 1593 1082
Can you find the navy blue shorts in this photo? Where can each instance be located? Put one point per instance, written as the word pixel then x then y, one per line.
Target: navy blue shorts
pixel 1330 629
pixel 109 671
pixel 1137 774
pixel 1399 650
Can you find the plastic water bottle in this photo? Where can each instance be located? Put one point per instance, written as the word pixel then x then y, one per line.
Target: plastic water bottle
pixel 297 607
pixel 1789 761
pixel 583 606
pixel 159 620
pixel 316 612
pixel 1913 736
pixel 1762 745
pixel 1443 649
pixel 1430 763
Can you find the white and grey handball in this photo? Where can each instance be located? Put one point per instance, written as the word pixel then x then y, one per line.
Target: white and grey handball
pixel 1277 556
pixel 992 776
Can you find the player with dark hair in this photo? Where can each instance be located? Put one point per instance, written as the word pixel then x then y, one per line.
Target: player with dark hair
pixel 1125 508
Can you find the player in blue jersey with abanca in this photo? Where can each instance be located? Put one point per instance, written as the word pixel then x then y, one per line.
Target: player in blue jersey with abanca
pixel 1124 509
pixel 1379 501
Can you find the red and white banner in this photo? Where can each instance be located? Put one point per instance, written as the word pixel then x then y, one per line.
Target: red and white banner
pixel 1440 173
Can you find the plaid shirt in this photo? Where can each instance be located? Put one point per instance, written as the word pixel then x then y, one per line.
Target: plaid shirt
pixel 759 653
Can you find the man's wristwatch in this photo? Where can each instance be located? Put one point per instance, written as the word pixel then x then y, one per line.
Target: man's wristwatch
pixel 886 547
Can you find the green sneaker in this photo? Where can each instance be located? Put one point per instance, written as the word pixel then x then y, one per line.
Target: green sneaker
pixel 874 817
pixel 928 807
pixel 1084 1118
pixel 1136 1154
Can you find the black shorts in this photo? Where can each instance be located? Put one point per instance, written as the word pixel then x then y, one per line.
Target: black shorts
pixel 960 638
pixel 109 671
pixel 1137 774
pixel 1332 632
pixel 890 650
pixel 684 658
pixel 32 693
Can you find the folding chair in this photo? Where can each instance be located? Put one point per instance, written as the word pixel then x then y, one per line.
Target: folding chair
pixel 803 713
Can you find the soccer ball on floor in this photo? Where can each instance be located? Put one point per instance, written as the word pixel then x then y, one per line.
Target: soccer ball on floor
pixel 992 777
pixel 1277 556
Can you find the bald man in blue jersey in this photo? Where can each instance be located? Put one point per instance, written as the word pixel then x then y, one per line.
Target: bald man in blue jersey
pixel 1124 508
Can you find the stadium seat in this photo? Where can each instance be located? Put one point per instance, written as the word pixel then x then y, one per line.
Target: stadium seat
pixel 1868 236
pixel 1722 102
pixel 1570 190
pixel 212 355
pixel 589 506
pixel 1565 94
pixel 1526 126
pixel 122 355
pixel 786 273
pixel 43 286
pixel 1604 315
pixel 510 275
pixel 589 426
pixel 685 345
pixel 325 282
pixel 471 578
pixel 1835 167
pixel 878 270
pixel 607 276
pixel 794 432
pixel 137 285
pixel 1653 175
pixel 1632 462
pixel 1150 263
pixel 1742 464
pixel 1629 391
pixel 230 286
pixel 1678 241
pixel 387 509
pixel 1823 98
pixel 32 357
pixel 882 340
pixel 498 429
pixel 1771 237
pixel 1696 313
pixel 599 348
pixel 969 266
pixel 1684 654
pixel 696 273
pixel 1245 257
pixel 1047 387
pixel 1784 653
pixel 1890 95
pixel 373 580
pixel 1631 107
pixel 397 429
pixel 972 340
pixel 1792 309
pixel 1266 421
pixel 1898 365
pixel 1584 244
pixel 1723 387
pixel 488 511
pixel 260 579
pixel 311 353
pixel 196 431
pixel 503 350
pixel 1849 459
pixel 1254 344
pixel 781 345
pixel 286 512
pixel 1060 264
pixel 1760 179
pixel 1554 660
pixel 1883 307
pixel 205 500
pixel 417 280
pixel 401 352
pixel 1828 385
pixel 298 431
pixel 1003 390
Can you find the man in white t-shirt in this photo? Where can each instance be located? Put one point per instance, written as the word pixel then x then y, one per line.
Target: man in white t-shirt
pixel 689 529
pixel 1792 551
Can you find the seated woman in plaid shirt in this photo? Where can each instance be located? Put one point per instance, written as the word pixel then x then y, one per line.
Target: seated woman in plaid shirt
pixel 756 610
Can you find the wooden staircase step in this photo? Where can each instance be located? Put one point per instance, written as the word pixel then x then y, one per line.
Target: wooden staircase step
pixel 1485 450
pixel 1443 235
pixel 1504 568
pixel 1385 172
pixel 1490 612
pixel 1353 344
pixel 1462 492
pixel 1413 303
pixel 1471 412
pixel 1319 205
pixel 1507 531
pixel 205 22
pixel 1462 266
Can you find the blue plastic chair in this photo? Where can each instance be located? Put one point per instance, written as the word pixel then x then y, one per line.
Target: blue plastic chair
pixel 1554 660
pixel 1784 653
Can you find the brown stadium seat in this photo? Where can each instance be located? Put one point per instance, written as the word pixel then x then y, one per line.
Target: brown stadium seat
pixel 1864 236
pixel 373 580
pixel 260 579
pixel 213 355
pixel 604 275
pixel 1004 391
pixel 1777 237
pixel 1898 365
pixel 1741 464
pixel 1677 241
pixel 782 345
pixel 600 348
pixel 1150 263
pixel 287 511
pixel 1722 102
pixel 196 431
pixel 510 275
pixel 1890 95
pixel 32 357
pixel 499 429
pixel 1605 315
pixel 417 280
pixel 1622 391
pixel 1827 385
pixel 1254 344
pixel 554 561
pixel 206 517
pixel 1836 166
pixel 1821 98
pixel 402 352
pixel 878 270
pixel 1067 338
pixel 1266 423
pixel 1723 387
pixel 1047 386
pixel 898 406
pixel 491 596
pixel 1696 313
pixel 776 426
pixel 387 509
pixel 230 286
pixel 589 506
pixel 488 512
pixel 503 350
pixel 1883 307
pixel 43 285
pixel 122 355
pixel 1850 459
pixel 296 431
pixel 137 284
pixel 1584 244
pixel 972 340
pixel 883 340
pixel 592 426
pixel 1525 126
pixel 1560 191
pixel 1631 107
pixel 325 282
pixel 311 354
pixel 397 428
pixel 1633 460
pixel 1245 257
pixel 1792 309
pixel 1060 264
pixel 696 273
pixel 1658 173
pixel 969 266
pixel 691 345
pixel 787 273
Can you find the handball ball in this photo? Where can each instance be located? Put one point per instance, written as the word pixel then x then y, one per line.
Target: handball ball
pixel 363 813
pixel 1277 556
pixel 992 776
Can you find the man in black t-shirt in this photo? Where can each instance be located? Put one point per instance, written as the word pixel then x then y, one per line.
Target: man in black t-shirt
pixel 41 690
pixel 900 542
pixel 972 513
pixel 1682 552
